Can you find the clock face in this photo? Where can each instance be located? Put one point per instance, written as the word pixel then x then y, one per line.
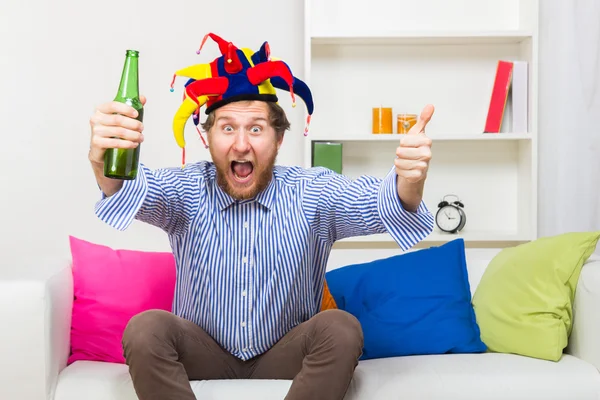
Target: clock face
pixel 448 218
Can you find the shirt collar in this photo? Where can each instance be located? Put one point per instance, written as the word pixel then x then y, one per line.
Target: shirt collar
pixel 223 199
pixel 265 198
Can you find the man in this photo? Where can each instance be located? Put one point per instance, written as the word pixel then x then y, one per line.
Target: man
pixel 251 242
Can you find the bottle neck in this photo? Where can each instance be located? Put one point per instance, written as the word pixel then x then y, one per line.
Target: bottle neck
pixel 129 87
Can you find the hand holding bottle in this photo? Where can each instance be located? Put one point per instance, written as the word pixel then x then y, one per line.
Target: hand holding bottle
pixel 114 125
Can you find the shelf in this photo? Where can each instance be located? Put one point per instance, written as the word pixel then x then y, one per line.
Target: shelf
pixel 394 137
pixel 404 54
pixel 437 236
pixel 350 80
pixel 422 37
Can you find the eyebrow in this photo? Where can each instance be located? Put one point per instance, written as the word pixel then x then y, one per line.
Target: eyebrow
pixel 229 118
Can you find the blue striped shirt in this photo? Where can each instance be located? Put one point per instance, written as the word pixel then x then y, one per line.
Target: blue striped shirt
pixel 249 271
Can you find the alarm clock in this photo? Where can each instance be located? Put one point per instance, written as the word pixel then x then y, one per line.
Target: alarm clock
pixel 450 217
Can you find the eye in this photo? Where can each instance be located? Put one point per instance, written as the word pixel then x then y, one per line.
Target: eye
pixel 256 129
pixel 227 128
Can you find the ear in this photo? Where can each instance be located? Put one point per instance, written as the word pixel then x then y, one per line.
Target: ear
pixel 279 140
pixel 208 137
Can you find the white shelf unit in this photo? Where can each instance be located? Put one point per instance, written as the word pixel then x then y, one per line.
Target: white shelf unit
pixel 405 54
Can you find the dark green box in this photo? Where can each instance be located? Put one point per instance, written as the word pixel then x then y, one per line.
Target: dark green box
pixel 328 155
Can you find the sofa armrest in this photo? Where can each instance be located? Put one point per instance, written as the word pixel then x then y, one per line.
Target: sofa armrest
pixel 34 339
pixel 584 341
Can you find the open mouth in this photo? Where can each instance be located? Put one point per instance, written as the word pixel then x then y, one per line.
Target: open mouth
pixel 242 170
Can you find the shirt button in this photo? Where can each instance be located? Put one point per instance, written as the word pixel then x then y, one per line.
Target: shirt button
pixel 243 324
pixel 245 260
pixel 246 225
pixel 244 349
pixel 244 293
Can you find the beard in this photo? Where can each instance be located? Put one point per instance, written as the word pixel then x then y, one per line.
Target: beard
pixel 263 173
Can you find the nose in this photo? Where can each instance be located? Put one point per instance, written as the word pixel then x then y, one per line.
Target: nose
pixel 241 143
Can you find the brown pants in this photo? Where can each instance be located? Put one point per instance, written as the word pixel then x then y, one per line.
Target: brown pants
pixel 164 352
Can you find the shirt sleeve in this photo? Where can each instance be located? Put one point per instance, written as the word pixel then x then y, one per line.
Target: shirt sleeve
pixel 166 198
pixel 338 207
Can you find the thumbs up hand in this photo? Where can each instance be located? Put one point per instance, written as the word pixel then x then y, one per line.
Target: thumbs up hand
pixel 414 152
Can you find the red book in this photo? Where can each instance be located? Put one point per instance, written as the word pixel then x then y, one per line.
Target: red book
pixel 499 97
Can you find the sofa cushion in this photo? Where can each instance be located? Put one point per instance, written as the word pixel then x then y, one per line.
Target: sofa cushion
pixel 524 301
pixel 486 376
pixel 94 380
pixel 445 377
pixel 328 302
pixel 111 286
pixel 409 304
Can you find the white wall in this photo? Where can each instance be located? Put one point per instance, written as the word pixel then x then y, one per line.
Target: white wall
pixel 60 59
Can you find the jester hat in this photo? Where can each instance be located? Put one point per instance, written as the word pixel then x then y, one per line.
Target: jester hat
pixel 238 74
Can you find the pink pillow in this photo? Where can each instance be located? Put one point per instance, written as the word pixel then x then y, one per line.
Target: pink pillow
pixel 110 287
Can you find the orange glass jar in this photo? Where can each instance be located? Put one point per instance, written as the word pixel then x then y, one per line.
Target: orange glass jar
pixel 406 122
pixel 382 120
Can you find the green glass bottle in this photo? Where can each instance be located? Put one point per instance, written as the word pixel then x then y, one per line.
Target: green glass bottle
pixel 123 163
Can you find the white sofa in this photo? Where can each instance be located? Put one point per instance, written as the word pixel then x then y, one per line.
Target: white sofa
pixel 34 345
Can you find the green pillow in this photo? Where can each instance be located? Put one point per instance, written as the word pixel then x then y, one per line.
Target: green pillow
pixel 524 301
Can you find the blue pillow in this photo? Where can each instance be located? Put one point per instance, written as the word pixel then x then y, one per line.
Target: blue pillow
pixel 411 304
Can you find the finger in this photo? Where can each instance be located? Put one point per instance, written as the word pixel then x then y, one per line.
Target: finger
pixel 99 142
pixel 115 107
pixel 143 100
pixel 118 132
pixel 424 119
pixel 101 119
pixel 413 153
pixel 407 165
pixel 415 141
